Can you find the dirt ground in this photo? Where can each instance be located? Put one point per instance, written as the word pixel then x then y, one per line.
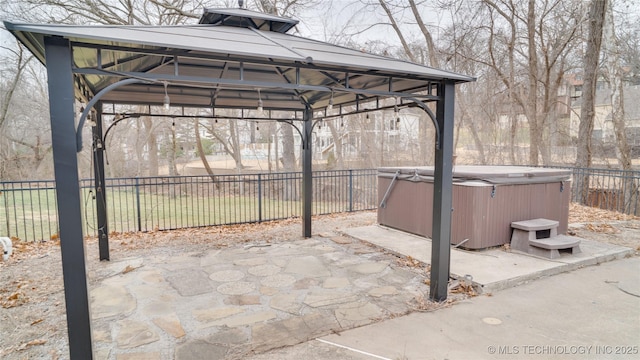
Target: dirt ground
pixel 32 318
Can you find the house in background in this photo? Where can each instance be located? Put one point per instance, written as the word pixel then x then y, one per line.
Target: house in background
pixel 603 130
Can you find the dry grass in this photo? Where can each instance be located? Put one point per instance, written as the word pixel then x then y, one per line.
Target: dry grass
pixel 581 214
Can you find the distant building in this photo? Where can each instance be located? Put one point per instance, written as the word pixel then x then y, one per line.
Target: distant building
pixel 603 130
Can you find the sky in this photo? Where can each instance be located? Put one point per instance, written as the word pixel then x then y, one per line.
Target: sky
pixel 364 23
pixel 336 20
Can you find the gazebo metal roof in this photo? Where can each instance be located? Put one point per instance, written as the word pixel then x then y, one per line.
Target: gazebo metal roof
pixel 235 58
pixel 223 66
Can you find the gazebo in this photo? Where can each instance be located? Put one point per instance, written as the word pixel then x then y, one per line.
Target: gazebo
pixel 232 59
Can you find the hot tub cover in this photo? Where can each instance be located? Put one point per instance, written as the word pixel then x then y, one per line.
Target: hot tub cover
pixel 487 174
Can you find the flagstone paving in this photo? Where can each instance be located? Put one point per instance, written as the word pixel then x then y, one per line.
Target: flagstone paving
pixel 233 302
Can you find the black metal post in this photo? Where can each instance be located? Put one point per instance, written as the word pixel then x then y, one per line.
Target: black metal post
pixel 350 190
pixel 259 198
pixel 442 195
pixel 65 163
pixel 307 175
pixel 100 187
pixel 138 210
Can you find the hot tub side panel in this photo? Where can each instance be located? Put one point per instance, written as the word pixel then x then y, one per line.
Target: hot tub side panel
pixel 408 207
pixel 477 215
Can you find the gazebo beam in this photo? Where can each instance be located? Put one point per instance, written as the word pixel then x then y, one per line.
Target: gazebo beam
pixel 97 152
pixel 307 173
pixel 442 195
pixel 249 84
pixel 65 163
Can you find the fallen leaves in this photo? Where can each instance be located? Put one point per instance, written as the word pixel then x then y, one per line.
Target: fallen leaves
pixel 580 214
pixel 23 346
pixel 409 261
pixel 25 249
pixel 130 268
pixel 15 297
pixel 35 342
pixel 422 304
pixel 602 228
pixel 463 287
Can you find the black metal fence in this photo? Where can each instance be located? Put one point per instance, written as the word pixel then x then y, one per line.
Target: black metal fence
pixel 28 208
pixel 617 190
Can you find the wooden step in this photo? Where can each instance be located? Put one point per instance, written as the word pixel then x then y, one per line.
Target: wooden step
pixel 556 242
pixel 535 224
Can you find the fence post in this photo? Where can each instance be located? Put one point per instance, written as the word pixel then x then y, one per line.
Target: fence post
pixel 4 195
pixel 350 190
pixel 138 204
pixel 259 198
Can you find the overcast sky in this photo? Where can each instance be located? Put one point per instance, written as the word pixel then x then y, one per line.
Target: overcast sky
pixel 337 19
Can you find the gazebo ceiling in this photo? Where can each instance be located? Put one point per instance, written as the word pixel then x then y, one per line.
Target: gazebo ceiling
pixel 225 60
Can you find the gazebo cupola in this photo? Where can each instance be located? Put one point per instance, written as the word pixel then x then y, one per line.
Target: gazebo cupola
pixel 247 19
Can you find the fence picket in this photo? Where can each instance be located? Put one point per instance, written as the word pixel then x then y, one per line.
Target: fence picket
pixel 28 208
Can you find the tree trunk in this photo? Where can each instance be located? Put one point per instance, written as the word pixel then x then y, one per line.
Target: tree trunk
pixel 532 104
pixel 337 144
pixel 152 146
pixel 140 139
pixel 513 131
pixel 288 160
pixel 592 56
pixel 433 59
pixel 201 154
pixel 173 168
pixel 5 101
pixel 235 144
pixel 613 65
pixel 477 141
pixel 396 28
pixel 614 70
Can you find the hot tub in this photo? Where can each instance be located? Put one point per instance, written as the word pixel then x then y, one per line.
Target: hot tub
pixel 486 199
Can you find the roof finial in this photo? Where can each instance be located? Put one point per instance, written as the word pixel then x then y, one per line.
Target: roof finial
pixel 241 4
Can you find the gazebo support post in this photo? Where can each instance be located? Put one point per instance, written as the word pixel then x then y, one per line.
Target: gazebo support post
pixel 442 194
pixel 307 175
pixel 100 187
pixel 65 160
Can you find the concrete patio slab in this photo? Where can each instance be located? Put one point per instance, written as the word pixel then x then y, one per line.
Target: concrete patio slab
pixel 491 269
pixel 580 314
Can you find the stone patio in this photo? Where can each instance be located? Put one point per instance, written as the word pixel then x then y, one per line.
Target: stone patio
pixel 234 302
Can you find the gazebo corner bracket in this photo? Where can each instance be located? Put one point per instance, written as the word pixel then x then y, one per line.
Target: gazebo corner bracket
pixel 94 101
pixel 432 116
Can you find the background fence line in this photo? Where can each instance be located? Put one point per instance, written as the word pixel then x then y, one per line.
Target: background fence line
pixel 28 209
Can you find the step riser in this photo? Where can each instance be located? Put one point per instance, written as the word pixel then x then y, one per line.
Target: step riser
pixel 525 239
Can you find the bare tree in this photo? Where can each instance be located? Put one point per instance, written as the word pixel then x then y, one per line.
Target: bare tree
pixel 527 47
pixel 590 78
pixel 226 133
pixel 614 73
pixel 11 76
pixel 152 146
pixel 25 143
pixel 200 149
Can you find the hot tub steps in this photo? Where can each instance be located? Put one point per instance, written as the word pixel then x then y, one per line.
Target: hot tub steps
pixel 540 237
